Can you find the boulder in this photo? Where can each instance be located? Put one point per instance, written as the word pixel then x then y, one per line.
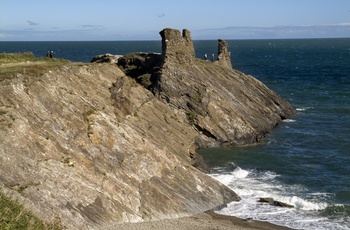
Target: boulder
pixel 106 58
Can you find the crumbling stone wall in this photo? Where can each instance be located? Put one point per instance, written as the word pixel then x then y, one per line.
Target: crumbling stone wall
pixel 176 47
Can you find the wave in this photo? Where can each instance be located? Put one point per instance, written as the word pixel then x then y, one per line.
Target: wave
pixel 303 108
pixel 289 120
pixel 251 185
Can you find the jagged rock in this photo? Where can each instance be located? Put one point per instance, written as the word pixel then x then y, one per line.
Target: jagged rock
pixel 106 58
pixel 143 67
pixel 275 202
pixel 224 56
pixel 225 105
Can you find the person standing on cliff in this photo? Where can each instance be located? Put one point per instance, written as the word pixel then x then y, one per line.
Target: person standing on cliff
pixel 205 56
pixel 212 57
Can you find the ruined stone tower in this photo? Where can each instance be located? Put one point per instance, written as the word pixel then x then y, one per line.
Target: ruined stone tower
pixel 176 47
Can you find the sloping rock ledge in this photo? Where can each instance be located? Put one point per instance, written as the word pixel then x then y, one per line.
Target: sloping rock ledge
pixel 90 145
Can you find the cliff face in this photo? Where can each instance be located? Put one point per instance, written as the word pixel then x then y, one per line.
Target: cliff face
pixel 88 146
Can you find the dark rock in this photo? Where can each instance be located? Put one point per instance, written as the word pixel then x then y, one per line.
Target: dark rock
pixel 275 202
pixel 197 161
pixel 266 200
pixel 143 67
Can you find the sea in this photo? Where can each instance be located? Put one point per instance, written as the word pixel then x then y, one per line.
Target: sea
pixel 305 160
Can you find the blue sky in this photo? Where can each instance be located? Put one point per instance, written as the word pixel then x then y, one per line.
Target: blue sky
pixel 85 20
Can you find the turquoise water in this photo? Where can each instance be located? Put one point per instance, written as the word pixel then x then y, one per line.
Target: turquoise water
pixel 305 161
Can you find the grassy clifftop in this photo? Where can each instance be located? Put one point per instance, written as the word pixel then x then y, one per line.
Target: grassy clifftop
pixel 26 63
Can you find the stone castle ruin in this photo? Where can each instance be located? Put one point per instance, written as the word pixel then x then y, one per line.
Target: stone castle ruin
pixel 179 47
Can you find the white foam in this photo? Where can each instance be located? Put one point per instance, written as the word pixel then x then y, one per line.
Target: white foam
pixel 251 185
pixel 303 108
pixel 240 173
pixel 306 205
pixel 289 120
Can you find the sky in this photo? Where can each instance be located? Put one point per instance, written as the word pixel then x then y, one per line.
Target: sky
pixel 115 20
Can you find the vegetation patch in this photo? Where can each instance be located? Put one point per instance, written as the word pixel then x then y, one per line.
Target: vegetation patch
pixel 14 216
pixel 191 117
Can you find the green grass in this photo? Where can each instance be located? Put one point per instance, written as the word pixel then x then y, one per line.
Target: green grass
pixel 6 58
pixel 191 117
pixel 26 63
pixel 14 216
pixel 16 57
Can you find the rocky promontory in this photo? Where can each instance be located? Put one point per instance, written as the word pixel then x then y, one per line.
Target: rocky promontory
pixel 93 145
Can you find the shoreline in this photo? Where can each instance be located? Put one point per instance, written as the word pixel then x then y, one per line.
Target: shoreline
pixel 202 221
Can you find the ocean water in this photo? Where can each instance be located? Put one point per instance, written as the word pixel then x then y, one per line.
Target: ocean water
pixel 305 161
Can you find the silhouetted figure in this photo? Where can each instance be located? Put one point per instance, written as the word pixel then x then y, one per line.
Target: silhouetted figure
pixel 205 56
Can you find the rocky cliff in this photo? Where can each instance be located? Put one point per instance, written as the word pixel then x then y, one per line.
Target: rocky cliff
pixel 90 146
pixel 224 105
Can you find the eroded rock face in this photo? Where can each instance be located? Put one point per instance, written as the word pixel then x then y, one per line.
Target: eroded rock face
pixel 90 147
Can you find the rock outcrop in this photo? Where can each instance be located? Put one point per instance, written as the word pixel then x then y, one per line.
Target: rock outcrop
pixel 86 145
pixel 224 56
pixel 226 106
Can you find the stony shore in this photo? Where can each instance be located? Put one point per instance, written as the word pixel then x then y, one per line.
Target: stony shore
pixel 203 221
